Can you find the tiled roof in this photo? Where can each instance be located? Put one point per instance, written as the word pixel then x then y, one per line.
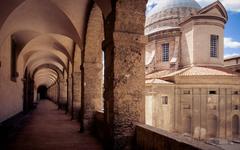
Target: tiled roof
pixel 203 71
pixel 157 81
pixel 157 75
pixel 231 57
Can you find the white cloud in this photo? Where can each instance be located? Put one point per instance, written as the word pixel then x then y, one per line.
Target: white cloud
pixel 231 5
pixel 204 3
pixel 230 43
pixel 231 55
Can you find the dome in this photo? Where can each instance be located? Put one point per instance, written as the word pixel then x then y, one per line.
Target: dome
pixel 162 5
pixel 167 14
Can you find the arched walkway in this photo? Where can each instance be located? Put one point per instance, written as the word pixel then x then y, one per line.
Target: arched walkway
pixel 48 128
pixel 61 45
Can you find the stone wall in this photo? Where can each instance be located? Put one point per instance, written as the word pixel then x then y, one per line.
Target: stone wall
pixel 197 110
pixel 52 93
pixel 11 92
pixel 150 138
pixel 166 119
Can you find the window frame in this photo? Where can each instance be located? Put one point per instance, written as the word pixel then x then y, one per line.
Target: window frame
pixel 214 46
pixel 165 52
pixel 164 100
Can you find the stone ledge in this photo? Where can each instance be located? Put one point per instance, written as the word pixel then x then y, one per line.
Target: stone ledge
pixel 148 137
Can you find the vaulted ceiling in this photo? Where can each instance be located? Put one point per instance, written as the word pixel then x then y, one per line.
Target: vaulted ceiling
pixel 46 32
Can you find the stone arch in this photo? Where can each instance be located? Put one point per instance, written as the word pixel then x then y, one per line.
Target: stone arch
pixel 93 66
pixel 187 124
pixel 58 22
pixel 39 57
pixel 235 126
pixel 212 126
pixel 50 66
pixel 46 43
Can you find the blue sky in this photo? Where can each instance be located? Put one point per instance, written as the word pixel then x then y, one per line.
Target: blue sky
pixel 232 29
pixel 232 35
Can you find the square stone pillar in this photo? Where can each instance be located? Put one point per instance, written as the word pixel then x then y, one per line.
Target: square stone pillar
pixel 63 93
pixel 76 94
pixel 92 91
pixel 128 87
pixel 69 94
pixel 124 82
pixel 125 73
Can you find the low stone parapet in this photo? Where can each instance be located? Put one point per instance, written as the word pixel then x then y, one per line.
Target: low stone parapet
pixel 150 138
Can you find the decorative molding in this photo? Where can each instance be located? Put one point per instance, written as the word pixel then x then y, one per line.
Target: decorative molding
pixel 209 23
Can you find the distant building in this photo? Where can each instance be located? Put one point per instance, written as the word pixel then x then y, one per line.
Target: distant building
pixel 232 63
pixel 188 88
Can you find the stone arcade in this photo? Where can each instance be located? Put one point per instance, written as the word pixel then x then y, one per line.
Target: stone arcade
pixel 59 44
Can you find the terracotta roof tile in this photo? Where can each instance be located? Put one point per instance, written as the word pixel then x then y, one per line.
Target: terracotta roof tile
pixel 157 81
pixel 157 75
pixel 203 71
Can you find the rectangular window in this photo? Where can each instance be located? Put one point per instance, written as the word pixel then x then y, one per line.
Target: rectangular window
pixel 235 92
pixel 235 107
pixel 212 92
pixel 214 46
pixel 165 52
pixel 164 100
pixel 186 92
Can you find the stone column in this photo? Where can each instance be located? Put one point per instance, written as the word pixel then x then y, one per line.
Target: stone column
pixel 76 94
pixel 69 94
pixel 124 73
pixel 92 91
pixel 63 93
pixel 58 93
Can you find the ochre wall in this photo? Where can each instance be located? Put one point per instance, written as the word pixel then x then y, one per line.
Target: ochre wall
pixel 11 93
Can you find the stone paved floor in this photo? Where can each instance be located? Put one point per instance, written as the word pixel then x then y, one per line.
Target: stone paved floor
pixel 50 129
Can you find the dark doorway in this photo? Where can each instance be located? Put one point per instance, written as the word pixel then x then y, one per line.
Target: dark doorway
pixel 42 92
pixel 28 92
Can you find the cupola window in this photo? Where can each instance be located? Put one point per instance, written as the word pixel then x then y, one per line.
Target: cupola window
pixel 165 52
pixel 214 46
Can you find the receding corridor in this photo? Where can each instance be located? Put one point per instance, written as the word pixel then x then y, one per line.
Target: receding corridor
pixel 49 128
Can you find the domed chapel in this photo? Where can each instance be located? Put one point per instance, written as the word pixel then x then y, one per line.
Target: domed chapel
pixel 188 90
